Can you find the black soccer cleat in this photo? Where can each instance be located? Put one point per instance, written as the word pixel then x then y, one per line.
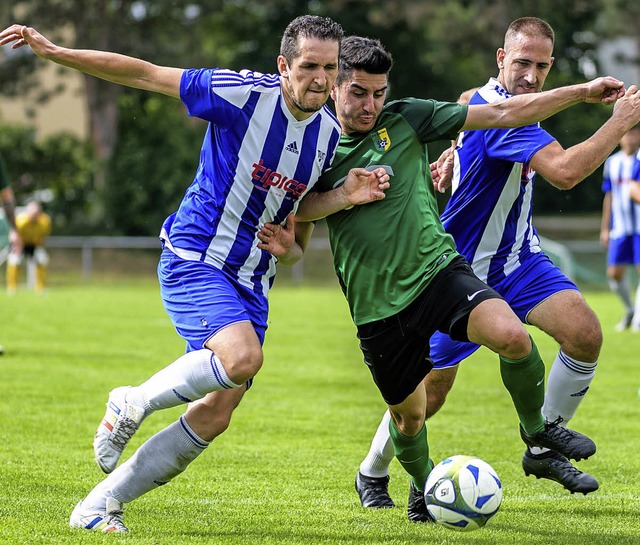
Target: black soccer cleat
pixel 555 467
pixel 569 443
pixel 374 491
pixel 417 506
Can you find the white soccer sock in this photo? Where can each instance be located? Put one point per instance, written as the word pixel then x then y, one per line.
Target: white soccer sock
pixel 381 453
pixel 622 289
pixel 189 378
pixel 156 462
pixel 568 382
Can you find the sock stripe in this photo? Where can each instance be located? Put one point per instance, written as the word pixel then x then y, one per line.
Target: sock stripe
pixel 576 366
pixel 192 436
pixel 219 374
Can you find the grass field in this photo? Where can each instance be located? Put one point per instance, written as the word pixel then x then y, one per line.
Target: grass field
pixel 283 473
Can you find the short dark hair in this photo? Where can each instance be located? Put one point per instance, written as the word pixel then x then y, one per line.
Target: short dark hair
pixel 530 26
pixel 308 26
pixel 360 53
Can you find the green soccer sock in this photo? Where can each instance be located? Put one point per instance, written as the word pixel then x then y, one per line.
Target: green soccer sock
pixel 524 378
pixel 412 453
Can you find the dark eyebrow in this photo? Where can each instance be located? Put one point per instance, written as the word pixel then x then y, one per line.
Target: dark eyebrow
pixel 355 85
pixel 524 59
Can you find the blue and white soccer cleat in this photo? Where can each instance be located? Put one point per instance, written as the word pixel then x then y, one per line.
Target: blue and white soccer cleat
pixel 107 522
pixel 120 422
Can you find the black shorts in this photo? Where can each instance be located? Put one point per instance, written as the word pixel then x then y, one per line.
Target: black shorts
pixel 396 349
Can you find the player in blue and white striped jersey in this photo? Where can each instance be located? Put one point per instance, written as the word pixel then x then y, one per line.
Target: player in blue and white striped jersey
pixel 269 138
pixel 620 227
pixel 489 215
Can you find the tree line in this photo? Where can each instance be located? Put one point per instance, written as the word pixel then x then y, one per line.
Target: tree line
pixel 143 149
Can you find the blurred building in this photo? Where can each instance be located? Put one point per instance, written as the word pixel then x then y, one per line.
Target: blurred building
pixel 64 112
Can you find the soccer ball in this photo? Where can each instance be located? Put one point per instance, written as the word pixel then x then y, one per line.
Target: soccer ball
pixel 463 493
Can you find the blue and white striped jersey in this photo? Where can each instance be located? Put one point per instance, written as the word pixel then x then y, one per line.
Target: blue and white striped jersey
pixel 489 213
pixel 625 214
pixel 256 162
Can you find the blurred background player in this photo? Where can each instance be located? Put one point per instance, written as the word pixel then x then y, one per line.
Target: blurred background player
pixel 620 228
pixel 33 226
pixel 8 205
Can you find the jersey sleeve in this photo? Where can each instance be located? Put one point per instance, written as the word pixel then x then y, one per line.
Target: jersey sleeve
pixel 517 145
pixel 430 119
pixel 606 177
pixel 215 95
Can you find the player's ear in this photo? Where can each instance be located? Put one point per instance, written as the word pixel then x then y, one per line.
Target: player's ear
pixel 500 54
pixel 283 66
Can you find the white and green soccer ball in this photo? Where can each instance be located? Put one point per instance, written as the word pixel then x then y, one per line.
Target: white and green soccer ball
pixel 463 493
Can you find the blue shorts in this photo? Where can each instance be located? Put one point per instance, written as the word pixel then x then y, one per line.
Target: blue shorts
pixel 524 289
pixel 201 300
pixel 624 250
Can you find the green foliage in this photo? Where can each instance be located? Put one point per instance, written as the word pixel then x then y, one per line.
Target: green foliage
pixel 57 170
pixel 283 473
pixel 440 49
pixel 154 163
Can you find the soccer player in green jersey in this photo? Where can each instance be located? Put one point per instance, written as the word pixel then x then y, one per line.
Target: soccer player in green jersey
pixel 399 269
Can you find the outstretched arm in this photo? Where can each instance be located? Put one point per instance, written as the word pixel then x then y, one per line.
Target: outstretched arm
pixel 565 168
pixel 112 67
pixel 531 108
pixel 361 186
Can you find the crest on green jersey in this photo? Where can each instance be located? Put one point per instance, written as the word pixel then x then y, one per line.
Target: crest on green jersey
pixel 381 140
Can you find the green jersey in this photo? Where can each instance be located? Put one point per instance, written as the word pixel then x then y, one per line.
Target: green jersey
pixel 386 252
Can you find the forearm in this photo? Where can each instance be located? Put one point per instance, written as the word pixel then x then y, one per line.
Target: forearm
pixel 112 67
pixel 634 191
pixel 569 168
pixel 522 110
pixel 316 205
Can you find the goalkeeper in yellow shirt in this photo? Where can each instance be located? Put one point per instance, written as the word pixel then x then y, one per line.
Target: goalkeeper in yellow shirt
pixel 33 226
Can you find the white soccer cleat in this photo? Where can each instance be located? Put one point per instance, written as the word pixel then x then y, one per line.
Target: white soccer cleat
pixel 120 422
pixel 107 522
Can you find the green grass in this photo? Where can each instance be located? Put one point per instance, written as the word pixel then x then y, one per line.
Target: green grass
pixel 283 473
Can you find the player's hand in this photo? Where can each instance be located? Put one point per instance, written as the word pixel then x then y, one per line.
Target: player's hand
pixel 20 35
pixel 605 90
pixel 442 170
pixel 604 238
pixel 627 108
pixel 278 239
pixel 363 186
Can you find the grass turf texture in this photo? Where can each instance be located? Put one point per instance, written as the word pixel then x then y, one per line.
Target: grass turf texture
pixel 283 473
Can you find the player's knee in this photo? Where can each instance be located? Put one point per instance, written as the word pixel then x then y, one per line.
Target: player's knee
pixel 583 342
pixel 244 364
pixel 409 421
pixel 513 341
